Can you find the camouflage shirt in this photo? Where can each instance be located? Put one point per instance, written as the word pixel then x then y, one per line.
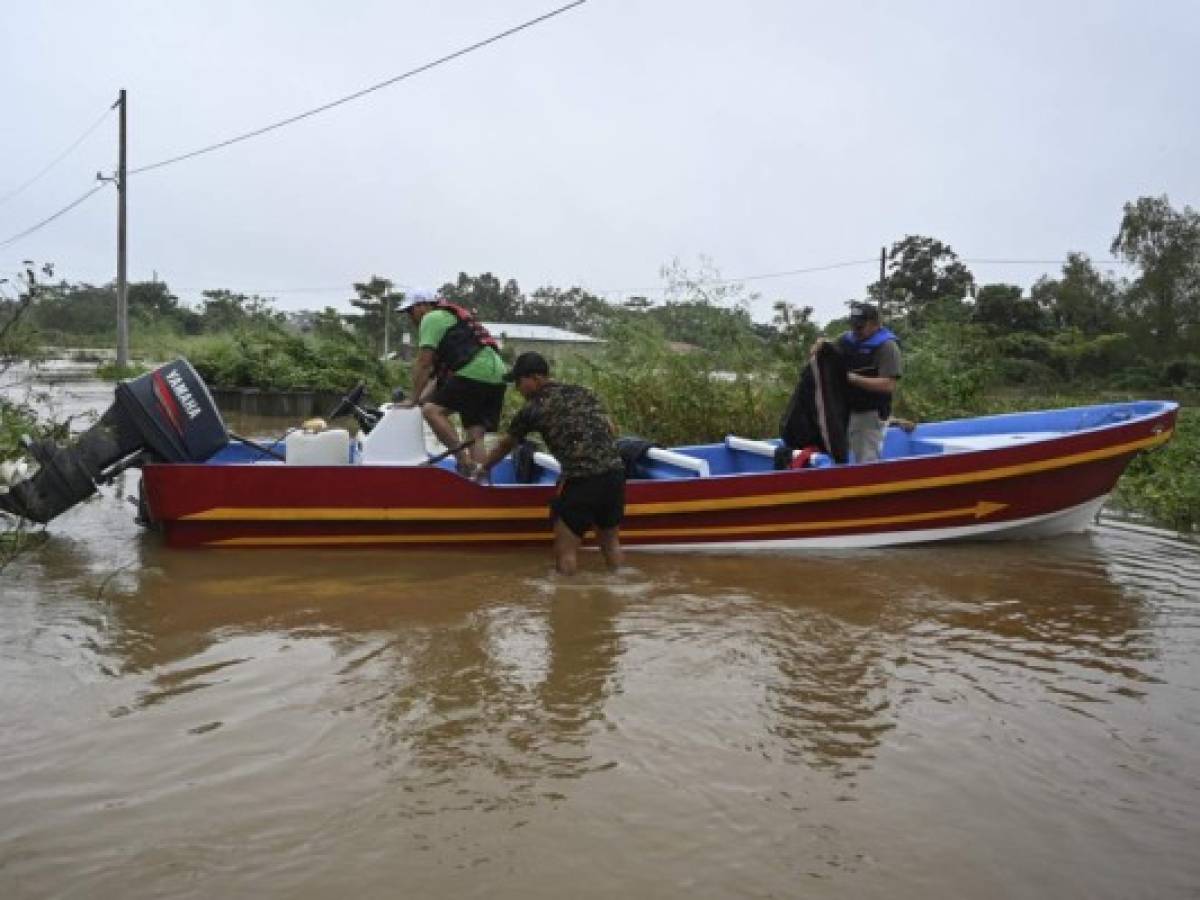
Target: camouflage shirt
pixel 574 426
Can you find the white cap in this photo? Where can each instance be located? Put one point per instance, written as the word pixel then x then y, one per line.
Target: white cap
pixel 413 296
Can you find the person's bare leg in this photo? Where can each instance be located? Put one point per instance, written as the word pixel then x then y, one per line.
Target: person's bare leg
pixel 478 450
pixel 566 547
pixel 610 547
pixel 444 430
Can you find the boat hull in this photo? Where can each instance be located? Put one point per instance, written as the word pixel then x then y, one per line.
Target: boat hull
pixel 1034 489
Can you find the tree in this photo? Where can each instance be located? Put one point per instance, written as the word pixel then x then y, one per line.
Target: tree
pixel 486 297
pixel 1082 298
pixel 922 274
pixel 702 308
pixel 152 303
pixel 77 309
pixel 329 325
pixel 1002 307
pixel 228 311
pixel 574 309
pixel 18 339
pixel 1165 299
pixel 794 325
pixel 378 321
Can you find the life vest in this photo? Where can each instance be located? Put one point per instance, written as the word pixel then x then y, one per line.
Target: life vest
pixel 816 414
pixel 860 357
pixel 461 342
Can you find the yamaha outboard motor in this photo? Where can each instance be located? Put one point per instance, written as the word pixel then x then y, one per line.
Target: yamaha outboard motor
pixel 166 415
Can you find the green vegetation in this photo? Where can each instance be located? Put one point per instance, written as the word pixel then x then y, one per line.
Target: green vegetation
pixel 1164 485
pixel 19 343
pixel 696 365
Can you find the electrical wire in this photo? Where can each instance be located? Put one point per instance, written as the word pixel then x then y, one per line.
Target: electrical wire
pixel 848 264
pixel 79 140
pixel 66 209
pixel 280 124
pixel 332 288
pixel 357 94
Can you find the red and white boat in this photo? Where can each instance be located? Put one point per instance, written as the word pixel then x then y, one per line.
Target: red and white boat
pixel 1023 475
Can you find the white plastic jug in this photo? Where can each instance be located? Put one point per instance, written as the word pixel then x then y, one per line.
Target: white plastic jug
pixel 398 438
pixel 325 448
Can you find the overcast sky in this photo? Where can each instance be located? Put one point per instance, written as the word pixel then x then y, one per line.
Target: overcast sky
pixel 766 135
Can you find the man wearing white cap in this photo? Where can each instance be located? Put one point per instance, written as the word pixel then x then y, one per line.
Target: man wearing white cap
pixel 456 370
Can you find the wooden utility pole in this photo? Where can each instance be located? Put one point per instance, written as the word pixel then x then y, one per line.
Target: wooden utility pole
pixel 386 299
pixel 122 287
pixel 882 298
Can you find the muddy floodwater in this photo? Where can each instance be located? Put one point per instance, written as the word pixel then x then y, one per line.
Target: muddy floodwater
pixel 976 720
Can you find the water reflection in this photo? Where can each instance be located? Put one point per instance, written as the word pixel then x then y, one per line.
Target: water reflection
pixel 338 701
pixel 488 663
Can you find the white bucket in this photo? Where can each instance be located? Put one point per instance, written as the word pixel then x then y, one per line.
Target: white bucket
pixel 325 448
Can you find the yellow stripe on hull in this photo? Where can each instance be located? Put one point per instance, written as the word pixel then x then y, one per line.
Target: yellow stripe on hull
pixel 667 507
pixel 979 510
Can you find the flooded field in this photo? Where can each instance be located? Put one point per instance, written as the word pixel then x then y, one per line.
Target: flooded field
pixel 1008 720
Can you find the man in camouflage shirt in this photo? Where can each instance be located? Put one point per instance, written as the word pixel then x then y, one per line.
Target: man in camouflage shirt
pixel 576 430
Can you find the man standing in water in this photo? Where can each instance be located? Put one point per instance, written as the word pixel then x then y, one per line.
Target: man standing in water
pixel 874 365
pixel 457 351
pixel 591 489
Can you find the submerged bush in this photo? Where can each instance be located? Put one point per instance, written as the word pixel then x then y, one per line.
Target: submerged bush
pixel 1164 484
pixel 272 359
pixel 673 397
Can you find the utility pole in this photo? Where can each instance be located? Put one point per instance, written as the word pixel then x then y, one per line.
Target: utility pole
pixel 882 298
pixel 122 287
pixel 386 299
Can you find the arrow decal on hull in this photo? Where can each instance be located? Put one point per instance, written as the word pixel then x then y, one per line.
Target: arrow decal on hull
pixel 980 510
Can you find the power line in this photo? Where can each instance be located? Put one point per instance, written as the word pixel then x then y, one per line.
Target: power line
pixel 66 209
pixel 1042 262
pixel 848 264
pixel 357 94
pixel 348 286
pixel 79 140
pixel 806 271
pixel 304 115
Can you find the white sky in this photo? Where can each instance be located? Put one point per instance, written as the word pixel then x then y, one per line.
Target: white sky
pixel 768 135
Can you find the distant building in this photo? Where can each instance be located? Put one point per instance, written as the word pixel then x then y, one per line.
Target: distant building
pixel 515 338
pixel 553 343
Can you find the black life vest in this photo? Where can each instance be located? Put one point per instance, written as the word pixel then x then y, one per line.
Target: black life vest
pixel 461 342
pixel 860 357
pixel 816 414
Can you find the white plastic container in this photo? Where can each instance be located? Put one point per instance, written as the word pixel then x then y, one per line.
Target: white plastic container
pixel 398 439
pixel 325 448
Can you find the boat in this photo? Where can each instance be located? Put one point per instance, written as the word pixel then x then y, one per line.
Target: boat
pixel 1013 476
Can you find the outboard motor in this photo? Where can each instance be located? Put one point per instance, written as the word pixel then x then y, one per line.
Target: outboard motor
pixel 166 415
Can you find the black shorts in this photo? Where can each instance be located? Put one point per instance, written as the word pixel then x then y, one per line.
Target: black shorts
pixel 597 500
pixel 476 402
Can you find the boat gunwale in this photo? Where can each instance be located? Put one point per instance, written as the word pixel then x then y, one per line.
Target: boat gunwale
pixel 674 496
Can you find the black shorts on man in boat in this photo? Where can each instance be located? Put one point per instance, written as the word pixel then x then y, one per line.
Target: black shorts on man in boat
pixel 591 500
pixel 476 402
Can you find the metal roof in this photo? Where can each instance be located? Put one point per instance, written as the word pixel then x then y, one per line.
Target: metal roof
pixel 518 331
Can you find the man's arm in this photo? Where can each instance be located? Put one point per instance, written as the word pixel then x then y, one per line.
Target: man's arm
pixel 889 368
pixel 875 383
pixel 422 371
pixel 503 447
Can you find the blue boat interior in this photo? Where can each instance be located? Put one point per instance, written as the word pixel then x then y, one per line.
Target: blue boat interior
pixel 742 456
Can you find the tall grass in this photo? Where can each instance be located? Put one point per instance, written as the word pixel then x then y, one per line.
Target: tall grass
pixel 1164 484
pixel 677 398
